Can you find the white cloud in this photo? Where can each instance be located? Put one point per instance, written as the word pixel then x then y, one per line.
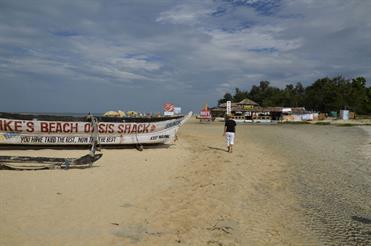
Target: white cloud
pixel 253 38
pixel 187 49
pixel 135 64
pixel 184 14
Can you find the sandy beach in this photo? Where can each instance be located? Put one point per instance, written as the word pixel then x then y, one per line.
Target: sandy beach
pixel 282 185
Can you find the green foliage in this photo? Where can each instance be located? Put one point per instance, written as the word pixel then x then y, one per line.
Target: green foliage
pixel 227 97
pixel 327 95
pixel 239 95
pixel 324 95
pixel 265 95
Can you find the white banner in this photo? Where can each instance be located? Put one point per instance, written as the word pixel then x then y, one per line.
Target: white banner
pixel 163 136
pixel 68 127
pixel 79 133
pixel 229 107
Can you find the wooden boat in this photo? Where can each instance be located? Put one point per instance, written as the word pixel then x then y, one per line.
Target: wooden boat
pixel 205 115
pixel 35 163
pixel 31 129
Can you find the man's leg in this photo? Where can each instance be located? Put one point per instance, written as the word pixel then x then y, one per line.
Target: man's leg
pixel 227 138
pixel 231 142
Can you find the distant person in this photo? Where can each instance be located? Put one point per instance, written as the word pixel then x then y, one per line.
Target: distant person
pixel 229 132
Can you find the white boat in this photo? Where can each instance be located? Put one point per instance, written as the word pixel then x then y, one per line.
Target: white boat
pixel 20 129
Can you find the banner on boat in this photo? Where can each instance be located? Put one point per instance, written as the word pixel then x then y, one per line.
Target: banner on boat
pixel 60 127
pixel 36 132
pixel 16 138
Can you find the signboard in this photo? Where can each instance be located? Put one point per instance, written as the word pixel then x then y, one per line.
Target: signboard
pixel 71 127
pixel 247 107
pixel 177 110
pixel 229 107
pixel 14 131
pixel 167 113
pixel 53 139
pixel 168 107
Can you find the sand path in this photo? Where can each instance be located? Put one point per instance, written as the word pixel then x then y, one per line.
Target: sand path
pixel 192 193
pixel 218 198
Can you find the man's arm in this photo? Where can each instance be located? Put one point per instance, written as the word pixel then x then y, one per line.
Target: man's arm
pixel 225 130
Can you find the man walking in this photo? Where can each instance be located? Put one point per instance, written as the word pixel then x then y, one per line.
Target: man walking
pixel 229 132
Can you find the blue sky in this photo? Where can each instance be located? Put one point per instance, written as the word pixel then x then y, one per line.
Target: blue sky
pixel 88 55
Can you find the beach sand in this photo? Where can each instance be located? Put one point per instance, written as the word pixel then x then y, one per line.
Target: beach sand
pixel 189 193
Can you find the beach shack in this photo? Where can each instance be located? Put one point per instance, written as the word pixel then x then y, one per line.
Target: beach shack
pixel 248 111
pixel 297 114
pixel 241 111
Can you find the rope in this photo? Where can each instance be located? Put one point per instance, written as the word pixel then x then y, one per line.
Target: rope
pixel 95 144
pixel 138 145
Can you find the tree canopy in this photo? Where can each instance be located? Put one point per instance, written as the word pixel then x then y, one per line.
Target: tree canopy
pixel 324 95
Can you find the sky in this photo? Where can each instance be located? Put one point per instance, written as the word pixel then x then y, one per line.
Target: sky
pixel 96 56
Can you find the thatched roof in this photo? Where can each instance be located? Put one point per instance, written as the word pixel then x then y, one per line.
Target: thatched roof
pixel 244 102
pixel 224 105
pixel 247 101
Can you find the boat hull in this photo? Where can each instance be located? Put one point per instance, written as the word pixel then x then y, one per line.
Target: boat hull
pixel 16 131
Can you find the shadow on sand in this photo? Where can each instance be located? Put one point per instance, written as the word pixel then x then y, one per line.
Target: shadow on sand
pixel 216 148
pixel 362 220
